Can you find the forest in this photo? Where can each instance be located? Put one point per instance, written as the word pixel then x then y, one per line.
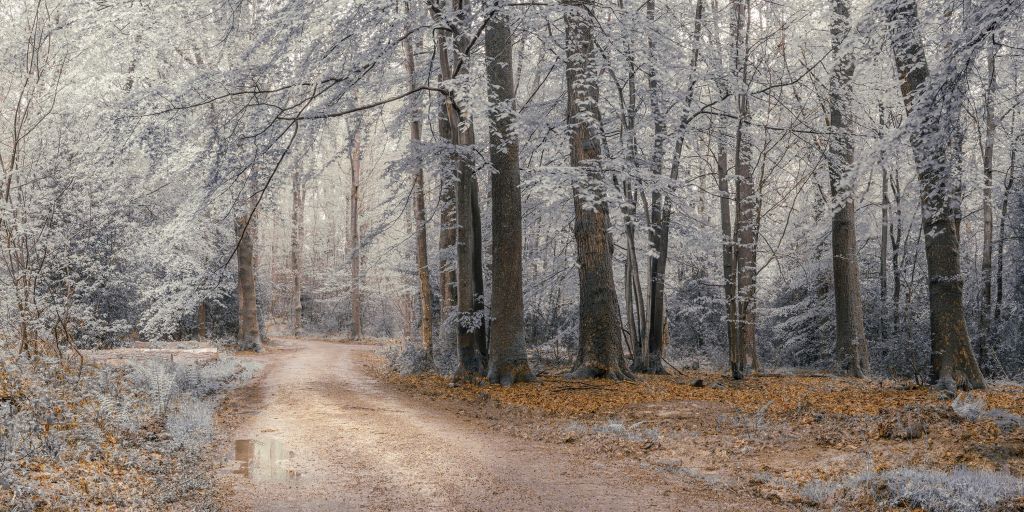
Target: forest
pixel 511 255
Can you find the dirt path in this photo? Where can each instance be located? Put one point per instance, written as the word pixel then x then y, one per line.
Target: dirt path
pixel 321 434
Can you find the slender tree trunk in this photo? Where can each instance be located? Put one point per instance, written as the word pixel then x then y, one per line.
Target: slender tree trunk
pixel 298 219
pixel 661 204
pixel 600 344
pixel 1000 253
pixel 447 238
pixel 952 359
pixel 355 158
pixel 883 246
pixel 745 234
pixel 728 252
pixel 248 317
pixel 985 323
pixel 201 320
pixel 472 334
pixel 851 343
pixel 420 218
pixel 507 355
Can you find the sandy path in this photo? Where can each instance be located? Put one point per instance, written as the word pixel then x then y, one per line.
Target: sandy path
pixel 346 443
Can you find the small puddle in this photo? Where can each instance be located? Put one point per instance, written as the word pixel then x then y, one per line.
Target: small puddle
pixel 264 459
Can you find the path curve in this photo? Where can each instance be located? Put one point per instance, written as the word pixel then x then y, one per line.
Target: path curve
pixel 346 442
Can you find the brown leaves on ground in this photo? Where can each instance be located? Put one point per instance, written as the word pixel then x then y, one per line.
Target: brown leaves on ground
pixel 780 396
pixel 793 430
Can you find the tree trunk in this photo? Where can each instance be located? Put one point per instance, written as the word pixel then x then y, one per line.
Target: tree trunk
pixel 952 359
pixel 600 344
pixel 1001 252
pixel 728 254
pixel 883 246
pixel 447 238
pixel 745 234
pixel 355 158
pixel 298 219
pixel 248 317
pixel 420 218
pixel 201 320
pixel 472 340
pixel 507 355
pixel 985 322
pixel 851 344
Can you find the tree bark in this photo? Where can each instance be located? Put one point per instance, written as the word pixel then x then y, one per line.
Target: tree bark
pixel 952 359
pixel 600 344
pixel 420 218
pixel 661 204
pixel 298 219
pixel 472 334
pixel 988 143
pixel 851 343
pixel 883 245
pixel 355 158
pixel 507 355
pixel 745 233
pixel 248 317
pixel 201 320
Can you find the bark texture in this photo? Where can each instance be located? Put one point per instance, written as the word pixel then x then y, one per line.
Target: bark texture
pixel 952 358
pixel 420 219
pixel 355 159
pixel 600 344
pixel 507 352
pixel 851 344
pixel 248 317
pixel 297 241
pixel 743 350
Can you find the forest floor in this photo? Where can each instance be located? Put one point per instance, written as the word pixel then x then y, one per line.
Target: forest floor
pixel 812 440
pixel 323 428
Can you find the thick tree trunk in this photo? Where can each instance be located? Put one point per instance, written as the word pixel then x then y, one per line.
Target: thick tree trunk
pixel 420 219
pixel 355 158
pixel 298 219
pixel 600 344
pixel 952 358
pixel 507 355
pixel 248 317
pixel 851 343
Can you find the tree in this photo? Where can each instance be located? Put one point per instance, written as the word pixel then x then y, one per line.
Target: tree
pixel 355 160
pixel 297 241
pixel 600 342
pixel 851 343
pixel 952 359
pixel 420 215
pixel 745 234
pixel 507 350
pixel 248 317
pixel 453 54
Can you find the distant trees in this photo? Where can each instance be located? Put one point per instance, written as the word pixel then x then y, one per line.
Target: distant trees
pixel 765 134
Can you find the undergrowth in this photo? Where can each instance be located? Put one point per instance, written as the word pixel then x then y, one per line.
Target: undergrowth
pixel 129 436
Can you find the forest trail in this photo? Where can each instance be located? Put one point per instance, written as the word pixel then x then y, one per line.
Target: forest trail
pixel 321 434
